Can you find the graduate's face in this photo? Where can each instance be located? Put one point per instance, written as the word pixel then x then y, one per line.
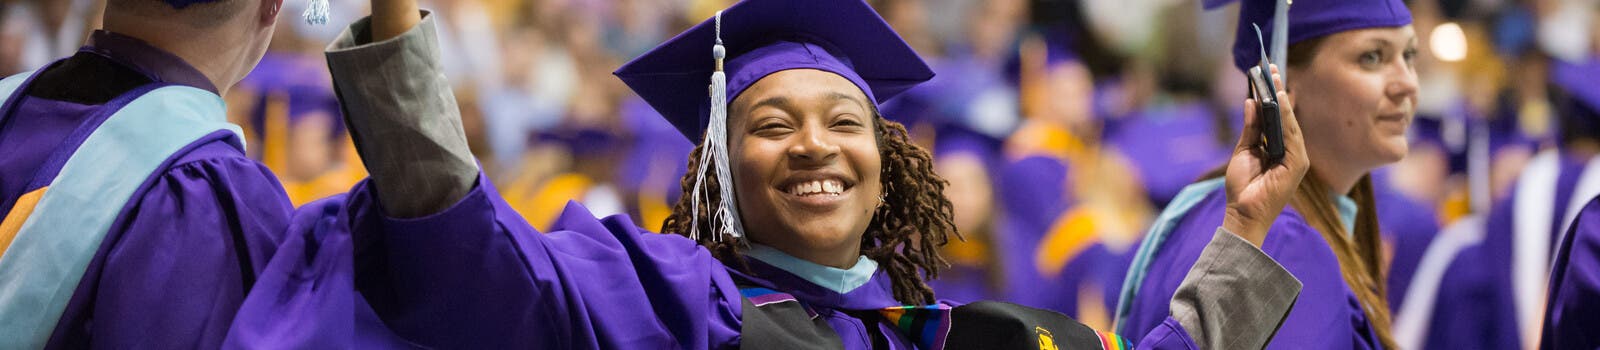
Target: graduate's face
pixel 1357 95
pixel 806 164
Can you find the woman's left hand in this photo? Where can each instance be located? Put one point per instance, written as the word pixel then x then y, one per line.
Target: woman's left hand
pixel 1258 190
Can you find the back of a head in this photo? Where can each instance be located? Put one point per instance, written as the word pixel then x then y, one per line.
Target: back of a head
pixel 224 39
pixel 1576 96
pixel 197 14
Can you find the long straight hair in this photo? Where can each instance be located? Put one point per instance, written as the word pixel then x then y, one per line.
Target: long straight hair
pixel 1360 261
pixel 1359 252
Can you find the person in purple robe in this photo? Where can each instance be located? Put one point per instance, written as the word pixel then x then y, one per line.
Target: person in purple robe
pixel 1070 212
pixel 1503 265
pixel 1573 300
pixel 964 157
pixel 1349 63
pixel 1573 303
pixel 819 230
pixel 132 216
pixel 1169 145
pixel 1501 262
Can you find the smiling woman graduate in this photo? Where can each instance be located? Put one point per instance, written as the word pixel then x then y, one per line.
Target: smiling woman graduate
pixel 810 219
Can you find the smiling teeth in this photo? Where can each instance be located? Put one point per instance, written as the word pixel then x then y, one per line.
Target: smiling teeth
pixel 830 187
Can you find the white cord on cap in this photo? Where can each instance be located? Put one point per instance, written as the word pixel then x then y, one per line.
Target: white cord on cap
pixel 714 154
pixel 316 12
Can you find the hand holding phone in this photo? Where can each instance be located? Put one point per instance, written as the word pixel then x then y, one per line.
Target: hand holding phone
pixel 1268 112
pixel 1269 161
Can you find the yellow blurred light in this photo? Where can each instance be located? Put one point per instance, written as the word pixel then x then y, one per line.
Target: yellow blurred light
pixel 1448 42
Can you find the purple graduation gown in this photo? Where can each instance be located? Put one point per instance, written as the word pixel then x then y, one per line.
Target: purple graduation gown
pixel 189 244
pixel 1409 226
pixel 1573 308
pixel 1170 146
pixel 1482 274
pixel 1327 314
pixel 476 275
pixel 963 283
pixel 1031 199
pixel 1479 275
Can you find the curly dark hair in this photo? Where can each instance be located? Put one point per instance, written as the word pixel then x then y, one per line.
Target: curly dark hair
pixel 904 236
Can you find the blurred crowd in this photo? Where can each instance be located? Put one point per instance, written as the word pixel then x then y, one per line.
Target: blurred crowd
pixel 1063 126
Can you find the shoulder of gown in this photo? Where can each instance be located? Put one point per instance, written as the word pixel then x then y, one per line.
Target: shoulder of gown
pixel 209 221
pixel 1574 302
pixel 1326 312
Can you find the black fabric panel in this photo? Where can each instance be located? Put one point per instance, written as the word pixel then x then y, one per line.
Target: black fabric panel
pixel 999 325
pixel 785 325
pixel 86 78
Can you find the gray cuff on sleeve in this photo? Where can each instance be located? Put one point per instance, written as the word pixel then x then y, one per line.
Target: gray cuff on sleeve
pixel 403 117
pixel 1235 296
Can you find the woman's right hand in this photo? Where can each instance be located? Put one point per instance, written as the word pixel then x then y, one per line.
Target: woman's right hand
pixel 1258 191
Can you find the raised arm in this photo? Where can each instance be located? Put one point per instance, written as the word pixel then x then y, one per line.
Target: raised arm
pixel 445 262
pixel 403 116
pixel 1235 296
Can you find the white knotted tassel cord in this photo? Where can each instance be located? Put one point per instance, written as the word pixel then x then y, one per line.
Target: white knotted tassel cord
pixel 316 12
pixel 714 154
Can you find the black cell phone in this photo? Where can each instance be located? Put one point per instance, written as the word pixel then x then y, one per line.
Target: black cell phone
pixel 1268 114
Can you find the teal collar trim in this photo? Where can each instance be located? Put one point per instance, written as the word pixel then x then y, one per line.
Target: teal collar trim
pixel 1347 213
pixel 1187 199
pixel 52 250
pixel 835 279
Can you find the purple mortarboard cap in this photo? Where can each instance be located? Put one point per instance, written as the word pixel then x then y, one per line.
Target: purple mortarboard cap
pixel 299 84
pixel 1170 146
pixel 1308 19
pixel 582 141
pixel 1031 190
pixel 1581 105
pixel 1058 43
pixel 762 37
pixel 1579 82
pixel 953 138
pixel 657 149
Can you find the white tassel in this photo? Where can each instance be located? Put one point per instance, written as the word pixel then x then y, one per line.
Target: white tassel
pixel 714 154
pixel 316 12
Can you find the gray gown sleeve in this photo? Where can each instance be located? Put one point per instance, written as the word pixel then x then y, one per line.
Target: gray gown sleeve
pixel 1235 296
pixel 403 117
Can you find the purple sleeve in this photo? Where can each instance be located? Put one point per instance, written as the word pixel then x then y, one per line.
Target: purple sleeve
pixel 178 262
pixel 1169 334
pixel 477 273
pixel 306 297
pixel 1574 301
